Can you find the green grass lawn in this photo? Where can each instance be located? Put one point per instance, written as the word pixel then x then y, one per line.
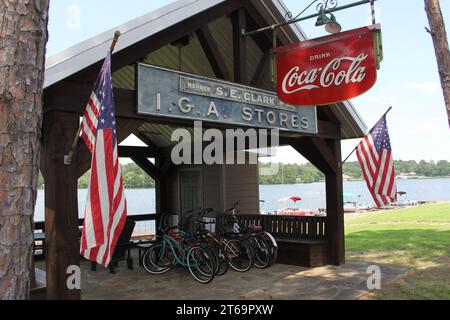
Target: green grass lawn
pixel 426 213
pixel 418 238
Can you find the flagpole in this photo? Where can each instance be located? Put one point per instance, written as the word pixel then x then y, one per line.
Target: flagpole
pixel 68 157
pixel 389 109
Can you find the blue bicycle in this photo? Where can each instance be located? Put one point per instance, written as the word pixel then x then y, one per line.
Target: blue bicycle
pixel 179 248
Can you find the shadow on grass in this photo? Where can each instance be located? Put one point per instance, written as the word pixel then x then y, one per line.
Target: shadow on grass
pixel 423 244
pixel 425 284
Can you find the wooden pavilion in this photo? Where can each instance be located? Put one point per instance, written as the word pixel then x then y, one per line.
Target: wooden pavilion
pixel 198 37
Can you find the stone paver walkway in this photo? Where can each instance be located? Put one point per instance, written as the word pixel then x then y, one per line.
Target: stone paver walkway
pixel 277 282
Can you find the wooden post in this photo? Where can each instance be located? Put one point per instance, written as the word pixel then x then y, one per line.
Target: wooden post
pixel 325 154
pixel 160 194
pixel 61 204
pixel 239 47
pixel 335 209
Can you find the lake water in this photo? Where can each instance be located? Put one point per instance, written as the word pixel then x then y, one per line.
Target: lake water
pixel 141 201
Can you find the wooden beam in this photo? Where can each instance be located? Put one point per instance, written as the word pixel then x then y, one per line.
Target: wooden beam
pixel 259 17
pixel 255 20
pixel 335 210
pixel 160 151
pixel 326 156
pixel 160 196
pixel 329 115
pixel 328 130
pixel 165 164
pixel 326 152
pixel 133 151
pixel 148 167
pixel 314 152
pixel 240 47
pixel 73 96
pixel 213 53
pixel 261 71
pixel 61 204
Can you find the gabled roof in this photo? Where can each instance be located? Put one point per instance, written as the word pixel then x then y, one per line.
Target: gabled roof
pixel 87 53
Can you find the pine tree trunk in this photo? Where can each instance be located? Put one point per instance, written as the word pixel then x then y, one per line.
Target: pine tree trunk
pixel 23 36
pixel 439 36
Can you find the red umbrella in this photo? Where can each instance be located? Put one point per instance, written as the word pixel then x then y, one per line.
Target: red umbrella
pixel 295 199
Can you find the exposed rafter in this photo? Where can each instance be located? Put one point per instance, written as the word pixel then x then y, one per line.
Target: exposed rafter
pixel 213 54
pixel 148 167
pixel 261 71
pixel 240 47
pixel 317 152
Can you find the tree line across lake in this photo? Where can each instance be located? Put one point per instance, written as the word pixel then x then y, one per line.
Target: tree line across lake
pixel 134 177
pixel 307 173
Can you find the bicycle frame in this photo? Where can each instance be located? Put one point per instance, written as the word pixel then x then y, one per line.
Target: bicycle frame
pixel 173 242
pixel 231 250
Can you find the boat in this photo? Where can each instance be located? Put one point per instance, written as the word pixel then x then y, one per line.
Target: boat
pixel 352 203
pixel 292 211
pixel 404 203
pixel 351 206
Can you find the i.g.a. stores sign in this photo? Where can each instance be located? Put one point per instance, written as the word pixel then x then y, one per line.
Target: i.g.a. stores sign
pixel 328 69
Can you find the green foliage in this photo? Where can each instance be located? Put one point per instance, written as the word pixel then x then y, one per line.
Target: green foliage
pixel 40 181
pixel 424 168
pixel 353 170
pixel 292 173
pixel 133 177
pixel 307 173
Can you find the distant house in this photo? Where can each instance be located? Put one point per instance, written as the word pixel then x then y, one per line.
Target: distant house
pixel 407 175
pixel 346 177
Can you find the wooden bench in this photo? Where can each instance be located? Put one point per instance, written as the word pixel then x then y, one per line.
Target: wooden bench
pixel 307 253
pixel 301 239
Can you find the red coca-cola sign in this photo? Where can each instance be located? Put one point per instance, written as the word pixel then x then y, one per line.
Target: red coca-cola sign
pixel 328 69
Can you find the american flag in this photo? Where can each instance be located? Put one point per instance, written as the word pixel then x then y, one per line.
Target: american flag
pixel 106 208
pixel 375 156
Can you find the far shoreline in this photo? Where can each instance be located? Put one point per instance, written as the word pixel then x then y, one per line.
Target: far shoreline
pixel 322 181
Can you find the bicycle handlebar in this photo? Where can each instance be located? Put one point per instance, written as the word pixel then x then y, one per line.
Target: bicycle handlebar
pixel 234 209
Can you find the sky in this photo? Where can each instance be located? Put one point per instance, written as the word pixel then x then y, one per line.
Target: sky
pixel 408 79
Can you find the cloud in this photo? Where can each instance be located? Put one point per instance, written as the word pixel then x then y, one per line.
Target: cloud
pixel 427 87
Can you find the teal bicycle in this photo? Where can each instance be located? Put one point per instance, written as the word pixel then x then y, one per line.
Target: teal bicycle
pixel 179 248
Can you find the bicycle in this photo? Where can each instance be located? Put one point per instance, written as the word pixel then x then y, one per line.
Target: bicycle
pixel 179 249
pixel 210 240
pixel 264 246
pixel 231 249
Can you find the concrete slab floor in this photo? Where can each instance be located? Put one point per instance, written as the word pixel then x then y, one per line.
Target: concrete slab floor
pixel 279 281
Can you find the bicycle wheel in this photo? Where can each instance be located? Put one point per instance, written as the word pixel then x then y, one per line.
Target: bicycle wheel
pixel 157 259
pixel 212 252
pixel 239 253
pixel 223 260
pixel 200 264
pixel 273 246
pixel 261 252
